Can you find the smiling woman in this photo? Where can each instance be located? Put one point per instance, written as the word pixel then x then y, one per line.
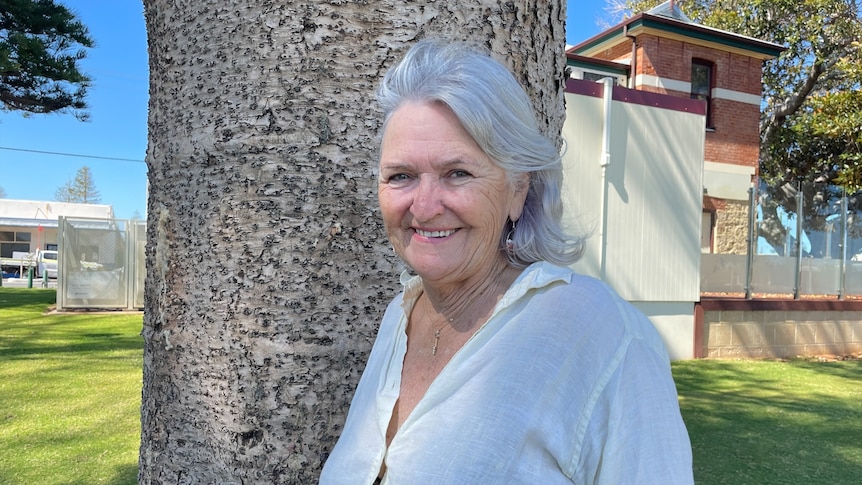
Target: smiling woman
pixel 444 202
pixel 497 363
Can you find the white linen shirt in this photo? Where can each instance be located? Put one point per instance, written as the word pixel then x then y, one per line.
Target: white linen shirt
pixel 565 383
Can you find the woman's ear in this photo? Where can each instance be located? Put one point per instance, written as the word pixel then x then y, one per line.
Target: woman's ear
pixel 522 187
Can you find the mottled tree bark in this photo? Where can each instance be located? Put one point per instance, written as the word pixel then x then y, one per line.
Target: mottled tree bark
pixel 268 267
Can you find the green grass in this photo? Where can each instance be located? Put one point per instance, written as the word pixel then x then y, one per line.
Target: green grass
pixel 70 393
pixel 768 422
pixel 70 389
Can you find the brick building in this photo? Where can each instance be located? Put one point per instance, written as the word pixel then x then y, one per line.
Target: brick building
pixel 663 51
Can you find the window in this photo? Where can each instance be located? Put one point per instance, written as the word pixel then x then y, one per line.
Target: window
pixel 596 75
pixel 11 242
pixel 701 85
pixel 7 250
pixel 707 223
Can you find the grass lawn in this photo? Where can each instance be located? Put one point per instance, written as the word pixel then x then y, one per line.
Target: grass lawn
pixel 769 422
pixel 70 393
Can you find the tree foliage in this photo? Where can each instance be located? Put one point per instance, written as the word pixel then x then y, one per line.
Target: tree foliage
pixel 41 43
pixel 2 193
pixel 810 121
pixel 81 189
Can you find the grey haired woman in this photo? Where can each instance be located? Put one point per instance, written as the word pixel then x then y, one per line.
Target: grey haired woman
pixel 497 363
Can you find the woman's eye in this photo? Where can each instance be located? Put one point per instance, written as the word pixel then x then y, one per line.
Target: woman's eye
pixel 399 177
pixel 459 173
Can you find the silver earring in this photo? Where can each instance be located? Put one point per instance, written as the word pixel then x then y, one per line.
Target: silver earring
pixel 510 244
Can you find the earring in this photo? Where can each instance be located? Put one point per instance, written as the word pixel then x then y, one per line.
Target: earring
pixel 510 244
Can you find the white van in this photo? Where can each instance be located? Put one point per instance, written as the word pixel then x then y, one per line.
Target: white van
pixel 46 263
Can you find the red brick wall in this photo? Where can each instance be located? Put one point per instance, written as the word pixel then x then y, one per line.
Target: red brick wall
pixel 620 52
pixel 736 137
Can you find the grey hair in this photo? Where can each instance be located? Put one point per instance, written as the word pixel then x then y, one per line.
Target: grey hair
pixel 498 114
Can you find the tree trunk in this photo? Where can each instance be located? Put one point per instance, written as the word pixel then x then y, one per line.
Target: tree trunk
pixel 268 266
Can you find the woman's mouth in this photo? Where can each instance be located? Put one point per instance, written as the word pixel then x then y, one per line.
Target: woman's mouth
pixel 435 234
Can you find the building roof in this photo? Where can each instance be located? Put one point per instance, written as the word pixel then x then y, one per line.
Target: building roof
pixel 668 21
pixel 35 213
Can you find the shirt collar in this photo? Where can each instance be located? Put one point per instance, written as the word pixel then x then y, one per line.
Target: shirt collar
pixel 537 275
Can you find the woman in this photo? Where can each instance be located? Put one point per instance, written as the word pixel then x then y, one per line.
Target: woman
pixel 497 364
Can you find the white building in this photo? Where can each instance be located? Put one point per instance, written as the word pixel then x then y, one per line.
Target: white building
pixel 29 225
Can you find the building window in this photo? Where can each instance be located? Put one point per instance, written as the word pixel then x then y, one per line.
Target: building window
pixel 707 226
pixel 701 85
pixel 595 75
pixel 11 242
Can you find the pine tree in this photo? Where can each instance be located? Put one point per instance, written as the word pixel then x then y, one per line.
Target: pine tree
pixel 41 43
pixel 81 189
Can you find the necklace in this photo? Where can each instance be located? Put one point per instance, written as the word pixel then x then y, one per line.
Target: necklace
pixel 437 338
pixel 463 317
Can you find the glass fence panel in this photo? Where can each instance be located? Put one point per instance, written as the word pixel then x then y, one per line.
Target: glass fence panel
pixel 772 274
pixel 828 242
pixel 820 277
pixel 821 244
pixel 93 262
pixel 722 273
pixel 775 227
pixel 140 263
pixel 853 265
pixel 853 278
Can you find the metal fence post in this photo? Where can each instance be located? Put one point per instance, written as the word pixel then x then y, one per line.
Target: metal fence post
pixel 842 265
pixel 798 244
pixel 752 239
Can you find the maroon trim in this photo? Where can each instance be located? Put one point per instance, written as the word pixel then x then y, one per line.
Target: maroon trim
pixel 740 304
pixel 657 100
pixel 584 88
pixel 645 98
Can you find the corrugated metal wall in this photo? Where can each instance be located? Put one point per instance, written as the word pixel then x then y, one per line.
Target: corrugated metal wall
pixel 644 210
pixel 647 219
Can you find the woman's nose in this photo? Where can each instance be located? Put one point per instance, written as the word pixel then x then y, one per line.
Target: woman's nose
pixel 428 199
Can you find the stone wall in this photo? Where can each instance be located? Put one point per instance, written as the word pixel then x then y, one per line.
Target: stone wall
pixel 786 330
pixel 731 228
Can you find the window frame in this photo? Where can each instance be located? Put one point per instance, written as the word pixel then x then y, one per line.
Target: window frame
pixel 710 85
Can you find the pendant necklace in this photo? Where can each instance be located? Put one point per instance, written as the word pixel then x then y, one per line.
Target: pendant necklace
pixel 437 338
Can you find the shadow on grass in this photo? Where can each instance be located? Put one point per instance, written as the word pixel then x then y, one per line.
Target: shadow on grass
pixel 15 298
pixel 126 475
pixel 21 341
pixel 27 332
pixel 773 422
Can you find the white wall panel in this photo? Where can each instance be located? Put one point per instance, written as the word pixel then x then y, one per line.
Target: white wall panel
pixel 649 218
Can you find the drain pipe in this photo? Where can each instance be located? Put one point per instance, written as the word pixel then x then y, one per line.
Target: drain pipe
pixel 607 94
pixel 633 65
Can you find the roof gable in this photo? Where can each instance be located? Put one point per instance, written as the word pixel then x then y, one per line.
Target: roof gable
pixel 668 21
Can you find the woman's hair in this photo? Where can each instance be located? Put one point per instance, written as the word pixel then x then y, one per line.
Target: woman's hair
pixel 498 114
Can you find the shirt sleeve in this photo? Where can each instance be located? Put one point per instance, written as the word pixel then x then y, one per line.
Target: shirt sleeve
pixel 636 434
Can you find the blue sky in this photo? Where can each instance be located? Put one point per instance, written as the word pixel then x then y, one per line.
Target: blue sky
pixel 118 112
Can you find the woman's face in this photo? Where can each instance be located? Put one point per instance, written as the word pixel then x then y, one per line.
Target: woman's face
pixel 444 202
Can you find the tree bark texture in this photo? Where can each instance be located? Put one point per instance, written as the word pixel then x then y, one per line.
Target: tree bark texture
pixel 268 266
